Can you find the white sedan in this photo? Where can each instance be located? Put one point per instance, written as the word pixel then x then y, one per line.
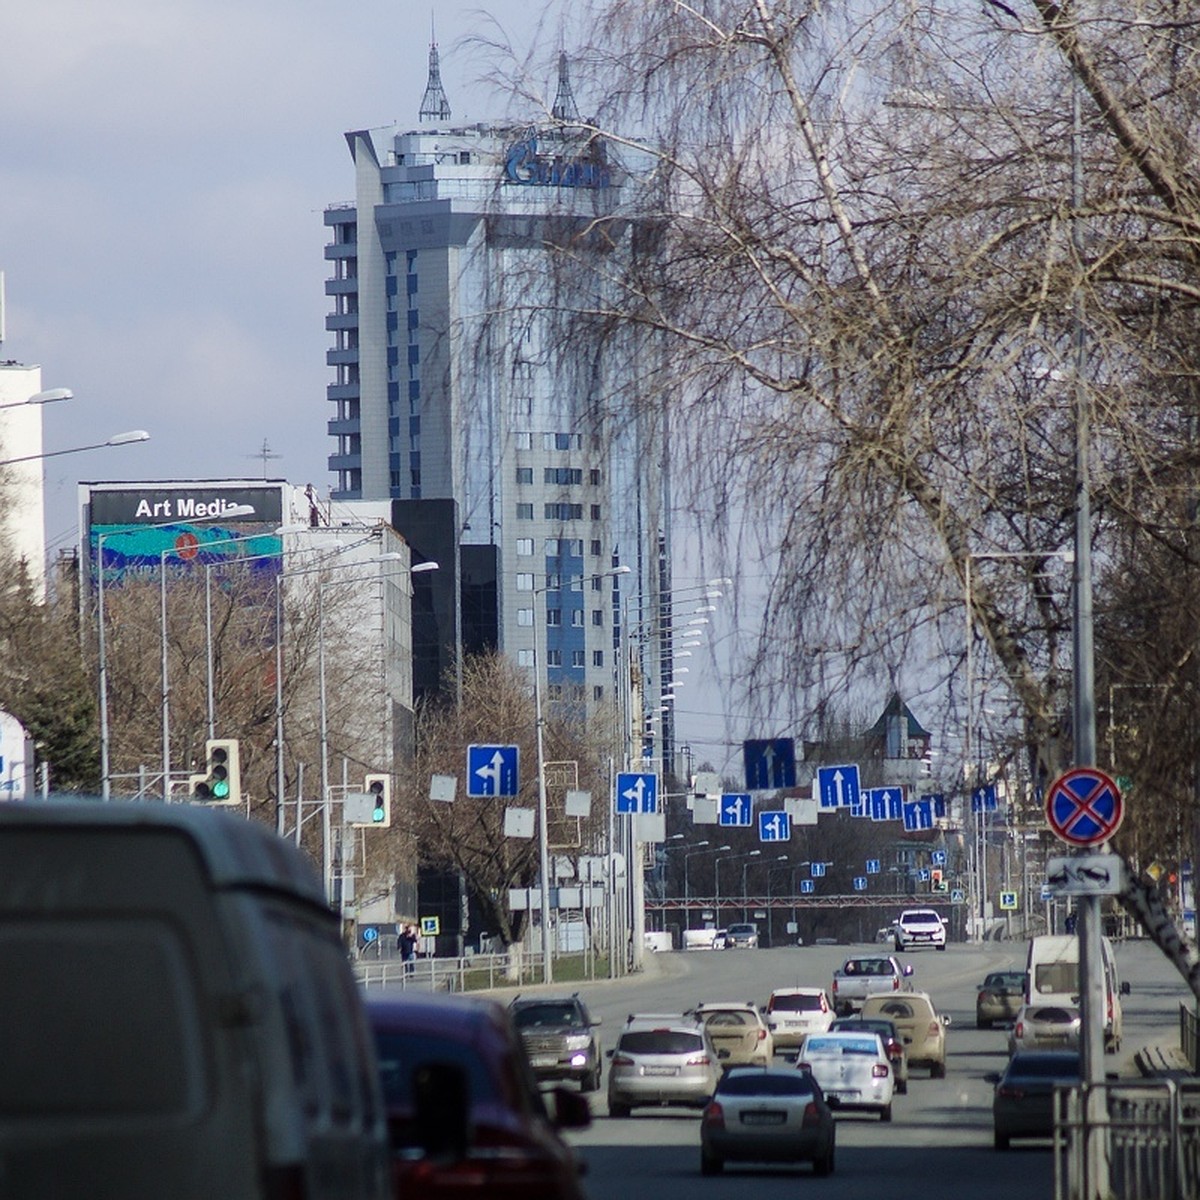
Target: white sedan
pixel 852 1069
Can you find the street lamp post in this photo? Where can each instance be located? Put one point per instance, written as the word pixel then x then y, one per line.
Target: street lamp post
pixel 717 877
pixel 543 807
pixel 770 912
pixel 117 439
pixel 687 907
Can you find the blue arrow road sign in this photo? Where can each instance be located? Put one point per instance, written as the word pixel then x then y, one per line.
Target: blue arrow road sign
pixel 736 808
pixel 769 764
pixel 938 801
pixel 774 827
pixel 860 883
pixel 807 887
pixel 492 770
pixel 885 803
pixel 817 869
pixel 837 787
pixel 637 792
pixel 918 815
pixel 872 866
pixel 983 799
pixel 937 857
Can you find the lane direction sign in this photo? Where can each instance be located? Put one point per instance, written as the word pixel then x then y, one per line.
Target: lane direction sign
pixel 838 787
pixel 1084 807
pixel 769 764
pixel 736 808
pixel 774 826
pixel 493 770
pixel 637 792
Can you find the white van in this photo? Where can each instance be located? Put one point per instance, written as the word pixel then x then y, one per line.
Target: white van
pixel 178 1017
pixel 1052 977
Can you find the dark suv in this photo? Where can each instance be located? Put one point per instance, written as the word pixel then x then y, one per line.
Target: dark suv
pixel 559 1036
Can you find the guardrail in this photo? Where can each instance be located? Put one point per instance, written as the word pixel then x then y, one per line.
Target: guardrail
pixel 1189 1037
pixel 476 972
pixel 1150 1136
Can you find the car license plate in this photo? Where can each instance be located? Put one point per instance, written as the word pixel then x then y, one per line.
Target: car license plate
pixel 763 1118
pixel 842 1095
pixel 662 1070
pixel 544 1060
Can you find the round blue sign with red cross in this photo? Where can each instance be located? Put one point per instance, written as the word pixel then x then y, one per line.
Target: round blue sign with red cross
pixel 1084 807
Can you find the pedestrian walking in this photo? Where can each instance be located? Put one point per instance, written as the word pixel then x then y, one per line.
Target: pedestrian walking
pixel 407 943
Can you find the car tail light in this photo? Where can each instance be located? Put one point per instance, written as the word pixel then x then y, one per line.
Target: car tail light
pixel 714 1116
pixel 285 1182
pixel 824 1006
pixel 880 1071
pixel 812 1114
pixel 1019 1030
pixel 762 1035
pixel 622 1060
pixel 933 1029
pixel 802 1066
pixel 700 1060
pixel 895 984
pixel 1010 1092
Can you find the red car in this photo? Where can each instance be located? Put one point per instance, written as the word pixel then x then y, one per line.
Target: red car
pixel 465 1115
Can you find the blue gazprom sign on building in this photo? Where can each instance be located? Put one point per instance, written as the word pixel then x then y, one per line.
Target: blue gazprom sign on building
pixel 523 164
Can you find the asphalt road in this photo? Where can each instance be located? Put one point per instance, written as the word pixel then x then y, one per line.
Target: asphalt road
pixel 939 1143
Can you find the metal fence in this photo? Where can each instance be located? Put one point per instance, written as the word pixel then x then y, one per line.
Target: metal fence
pixel 1150 1139
pixel 476 972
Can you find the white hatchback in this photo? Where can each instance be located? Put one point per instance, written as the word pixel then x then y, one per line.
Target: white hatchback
pixel 793 1013
pixel 852 1069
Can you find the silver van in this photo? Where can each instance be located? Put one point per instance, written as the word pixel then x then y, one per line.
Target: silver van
pixel 177 1014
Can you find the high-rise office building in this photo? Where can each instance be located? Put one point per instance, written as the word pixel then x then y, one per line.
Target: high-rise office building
pixel 467 393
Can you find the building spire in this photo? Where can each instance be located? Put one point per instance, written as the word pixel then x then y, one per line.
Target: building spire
pixel 434 105
pixel 565 108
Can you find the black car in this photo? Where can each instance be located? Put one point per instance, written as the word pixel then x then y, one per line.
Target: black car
pixel 560 1039
pixel 1023 1105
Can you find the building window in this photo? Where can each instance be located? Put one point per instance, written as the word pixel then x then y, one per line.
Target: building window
pixel 597 658
pixel 525 658
pixel 524 512
pixel 524 441
pixel 525 617
pixel 524 474
pixel 553 581
pixel 577 658
pixel 562 476
pixel 595 512
pixel 594 477
pixel 554 658
pixel 555 691
pixel 596 550
pixel 525 547
pixel 566 512
pixel 577 618
pixel 598 617
pixel 597 585
pixel 525 582
pixel 554 616
pixel 597 693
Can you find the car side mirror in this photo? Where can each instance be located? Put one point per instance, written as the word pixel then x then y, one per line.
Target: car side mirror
pixel 992 1077
pixel 908 968
pixel 595 1021
pixel 442 1111
pixel 571 1109
pixel 1125 988
pixel 945 1018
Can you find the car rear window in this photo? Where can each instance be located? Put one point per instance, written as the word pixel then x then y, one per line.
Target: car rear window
pixel 799 1003
pixel 862 1045
pixel 727 1018
pixel 660 1041
pixel 799 1084
pixel 1044 1066
pixel 1059 1016
pixel 400 1054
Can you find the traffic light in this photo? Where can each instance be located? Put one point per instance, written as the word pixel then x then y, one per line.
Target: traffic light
pixel 937 881
pixel 221 782
pixel 379 788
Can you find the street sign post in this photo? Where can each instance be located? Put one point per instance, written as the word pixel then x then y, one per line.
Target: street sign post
pixel 1084 807
pixel 637 792
pixel 737 808
pixel 774 826
pixel 493 770
pixel 838 786
pixel 769 764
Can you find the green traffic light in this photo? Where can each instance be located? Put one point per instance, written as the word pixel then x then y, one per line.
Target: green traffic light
pixel 220 788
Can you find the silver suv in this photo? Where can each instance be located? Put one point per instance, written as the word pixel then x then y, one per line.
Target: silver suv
pixel 920 927
pixel 661 1060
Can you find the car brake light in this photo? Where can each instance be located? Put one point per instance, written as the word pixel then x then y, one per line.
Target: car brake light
pixel 762 1035
pixel 879 1071
pixel 1009 1092
pixel 802 1066
pixel 824 1006
pixel 895 984
pixel 701 1060
pixel 714 1116
pixel 1019 1030
pixel 622 1060
pixel 812 1114
pixel 933 1029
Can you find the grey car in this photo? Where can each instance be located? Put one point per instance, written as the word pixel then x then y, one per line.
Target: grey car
pixel 661 1060
pixel 560 1039
pixel 767 1114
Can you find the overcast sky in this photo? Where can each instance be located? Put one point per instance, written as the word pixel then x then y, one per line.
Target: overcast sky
pixel 164 167
pixel 163 172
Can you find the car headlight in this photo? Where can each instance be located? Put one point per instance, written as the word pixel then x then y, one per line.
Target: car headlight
pixel 577 1041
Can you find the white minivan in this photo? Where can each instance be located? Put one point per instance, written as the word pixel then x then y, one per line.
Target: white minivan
pixel 1052 977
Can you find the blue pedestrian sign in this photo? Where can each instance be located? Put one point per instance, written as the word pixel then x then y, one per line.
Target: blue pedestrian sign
pixel 736 808
pixel 493 770
pixel 774 827
pixel 872 866
pixel 637 792
pixel 807 887
pixel 860 883
pixel 817 869
pixel 837 787
pixel 769 764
